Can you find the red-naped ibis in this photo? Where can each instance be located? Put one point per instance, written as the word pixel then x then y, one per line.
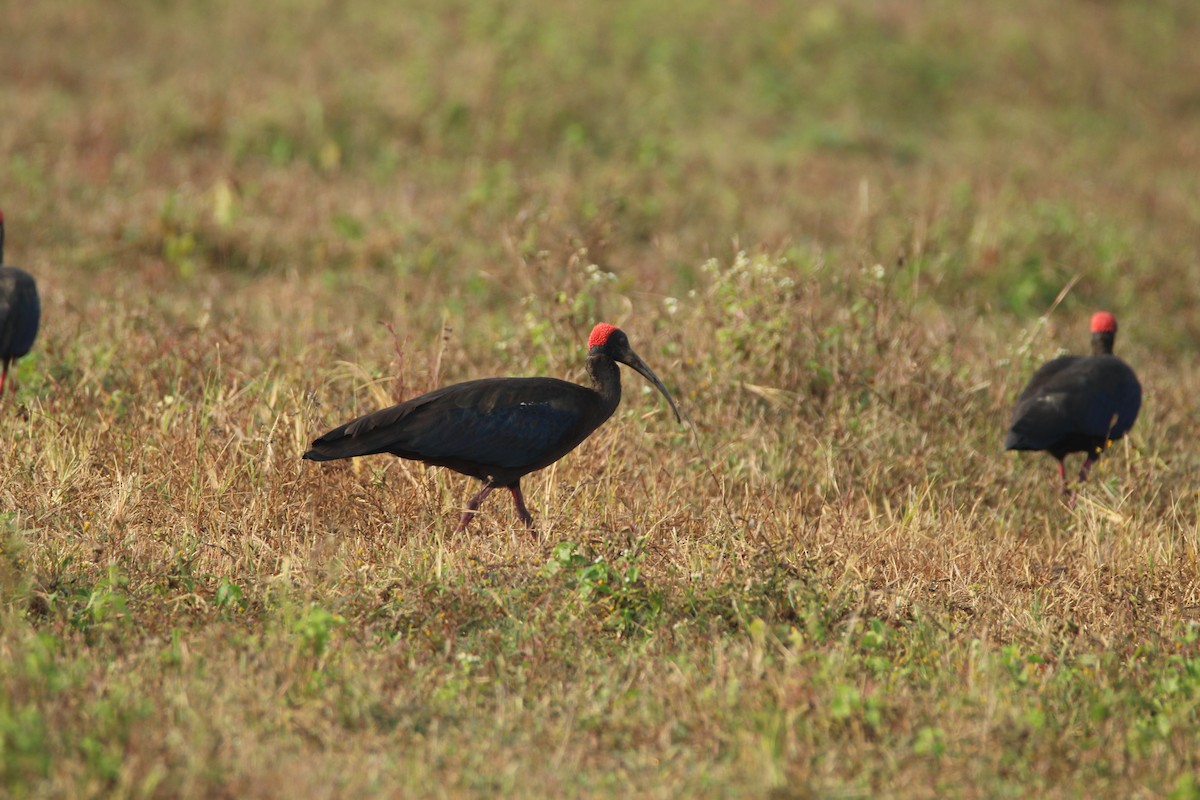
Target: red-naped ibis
pixel 20 312
pixel 1078 403
pixel 496 429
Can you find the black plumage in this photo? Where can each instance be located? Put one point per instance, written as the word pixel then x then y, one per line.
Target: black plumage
pixel 20 312
pixel 1078 403
pixel 496 429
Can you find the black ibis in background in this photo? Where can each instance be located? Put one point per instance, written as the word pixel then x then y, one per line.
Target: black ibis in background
pixel 496 429
pixel 20 312
pixel 1078 403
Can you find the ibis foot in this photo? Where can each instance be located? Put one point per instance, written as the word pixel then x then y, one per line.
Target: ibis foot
pixel 473 506
pixel 518 499
pixel 522 511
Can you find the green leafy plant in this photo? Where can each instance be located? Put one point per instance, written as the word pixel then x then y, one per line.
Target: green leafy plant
pixel 615 589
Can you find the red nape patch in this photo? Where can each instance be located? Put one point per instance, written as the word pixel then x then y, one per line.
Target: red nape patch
pixel 600 334
pixel 1104 322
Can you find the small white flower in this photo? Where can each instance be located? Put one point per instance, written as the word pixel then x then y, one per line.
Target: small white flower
pixel 597 275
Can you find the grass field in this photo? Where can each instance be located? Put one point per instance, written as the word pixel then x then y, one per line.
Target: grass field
pixel 844 234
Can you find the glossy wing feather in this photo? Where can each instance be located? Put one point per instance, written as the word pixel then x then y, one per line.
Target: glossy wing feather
pixel 507 437
pixel 479 427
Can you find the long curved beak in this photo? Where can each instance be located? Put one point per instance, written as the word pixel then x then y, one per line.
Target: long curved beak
pixel 633 360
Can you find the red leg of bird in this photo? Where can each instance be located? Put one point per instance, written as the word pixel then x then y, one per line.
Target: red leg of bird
pixel 1068 492
pixel 1086 468
pixel 1083 474
pixel 522 511
pixel 3 377
pixel 473 506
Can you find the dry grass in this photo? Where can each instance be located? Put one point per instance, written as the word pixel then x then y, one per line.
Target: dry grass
pixel 832 231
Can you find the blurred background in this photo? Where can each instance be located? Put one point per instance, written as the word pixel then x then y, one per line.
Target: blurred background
pixel 468 151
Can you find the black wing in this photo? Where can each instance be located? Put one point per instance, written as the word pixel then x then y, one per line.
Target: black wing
pixel 1095 397
pixel 504 423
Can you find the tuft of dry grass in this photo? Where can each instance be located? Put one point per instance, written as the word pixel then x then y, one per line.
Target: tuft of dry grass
pixel 841 235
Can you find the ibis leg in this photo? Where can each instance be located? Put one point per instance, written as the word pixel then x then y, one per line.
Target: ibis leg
pixel 522 511
pixel 3 377
pixel 473 505
pixel 1067 490
pixel 1083 473
pixel 1087 466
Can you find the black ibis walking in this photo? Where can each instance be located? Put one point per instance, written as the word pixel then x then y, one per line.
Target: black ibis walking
pixel 20 312
pixel 496 429
pixel 1078 403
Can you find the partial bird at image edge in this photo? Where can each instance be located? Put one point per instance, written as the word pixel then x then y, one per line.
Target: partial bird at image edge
pixel 20 312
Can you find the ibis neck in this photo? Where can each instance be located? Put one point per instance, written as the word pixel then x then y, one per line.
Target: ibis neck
pixel 1102 343
pixel 606 380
